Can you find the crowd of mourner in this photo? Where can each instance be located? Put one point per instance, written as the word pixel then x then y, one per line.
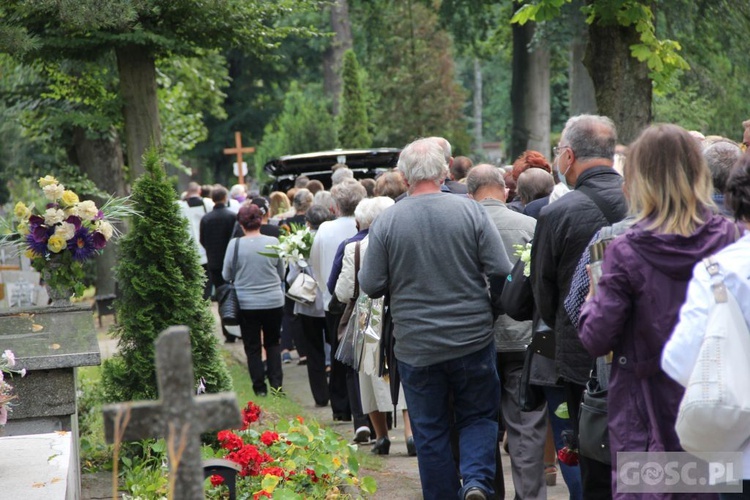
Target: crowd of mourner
pixel 556 310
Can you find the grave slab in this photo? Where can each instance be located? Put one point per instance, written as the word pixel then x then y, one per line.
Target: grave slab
pixel 38 467
pixel 50 344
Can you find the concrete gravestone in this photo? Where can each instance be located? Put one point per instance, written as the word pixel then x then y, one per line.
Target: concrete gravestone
pixel 49 344
pixel 178 416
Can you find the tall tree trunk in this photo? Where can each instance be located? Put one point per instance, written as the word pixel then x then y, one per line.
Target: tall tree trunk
pixel 334 55
pixel 478 106
pixel 100 158
pixel 529 94
pixel 622 86
pixel 582 98
pixel 137 72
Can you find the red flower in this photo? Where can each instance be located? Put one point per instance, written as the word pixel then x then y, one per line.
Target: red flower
pixel 311 473
pixel 300 419
pixel 229 440
pixel 274 471
pixel 568 456
pixel 250 414
pixel 250 459
pixel 216 480
pixel 268 438
pixel 261 493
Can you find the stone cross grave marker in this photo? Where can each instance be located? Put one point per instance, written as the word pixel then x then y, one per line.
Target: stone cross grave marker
pixel 238 150
pixel 178 415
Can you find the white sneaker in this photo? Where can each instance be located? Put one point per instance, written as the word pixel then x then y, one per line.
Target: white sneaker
pixel 362 434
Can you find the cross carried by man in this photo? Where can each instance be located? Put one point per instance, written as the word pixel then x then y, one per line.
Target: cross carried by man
pixel 238 150
pixel 177 416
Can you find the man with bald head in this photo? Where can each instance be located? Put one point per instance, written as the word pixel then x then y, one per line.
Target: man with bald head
pixel 585 158
pixel 527 431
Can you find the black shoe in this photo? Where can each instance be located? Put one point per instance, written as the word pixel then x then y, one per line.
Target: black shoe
pixel 362 435
pixel 411 448
pixel 302 361
pixel 321 405
pixel 475 494
pixel 230 340
pixel 342 417
pixel 382 446
pixel 261 394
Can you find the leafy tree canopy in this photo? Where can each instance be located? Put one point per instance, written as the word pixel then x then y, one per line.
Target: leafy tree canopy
pixel 77 29
pixel 661 55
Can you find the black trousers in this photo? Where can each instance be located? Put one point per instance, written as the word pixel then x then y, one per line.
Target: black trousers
pixel 291 329
pixel 337 378
pixel 251 324
pixel 343 384
pixel 313 342
pixel 596 477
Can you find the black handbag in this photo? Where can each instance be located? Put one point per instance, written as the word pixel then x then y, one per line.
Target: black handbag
pixel 226 295
pixel 517 298
pixel 530 396
pixel 593 433
pixel 335 306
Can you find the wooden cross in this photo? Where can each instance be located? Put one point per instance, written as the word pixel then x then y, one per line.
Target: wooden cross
pixel 177 416
pixel 238 150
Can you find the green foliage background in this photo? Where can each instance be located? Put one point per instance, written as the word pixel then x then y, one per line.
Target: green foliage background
pixel 161 284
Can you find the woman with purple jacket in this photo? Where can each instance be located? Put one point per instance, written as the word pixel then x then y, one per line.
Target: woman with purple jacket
pixel 645 274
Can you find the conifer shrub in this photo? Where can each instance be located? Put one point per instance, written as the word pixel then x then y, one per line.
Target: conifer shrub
pixel 160 284
pixel 353 123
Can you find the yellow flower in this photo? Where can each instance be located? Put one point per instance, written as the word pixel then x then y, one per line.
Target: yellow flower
pixel 31 254
pixel 56 244
pixel 21 211
pixel 47 180
pixel 69 198
pixel 22 228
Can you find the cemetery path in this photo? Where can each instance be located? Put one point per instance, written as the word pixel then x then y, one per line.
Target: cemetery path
pixel 397 479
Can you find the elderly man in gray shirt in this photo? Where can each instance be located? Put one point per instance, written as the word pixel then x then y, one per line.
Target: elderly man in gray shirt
pixel 527 431
pixel 434 254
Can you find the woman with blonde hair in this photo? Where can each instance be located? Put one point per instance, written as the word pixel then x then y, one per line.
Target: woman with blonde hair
pixel 645 273
pixel 280 206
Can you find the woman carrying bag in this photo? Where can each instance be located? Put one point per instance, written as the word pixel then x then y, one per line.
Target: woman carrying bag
pixel 645 274
pixel 257 280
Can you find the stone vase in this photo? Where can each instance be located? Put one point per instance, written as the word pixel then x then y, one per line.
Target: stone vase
pixel 59 296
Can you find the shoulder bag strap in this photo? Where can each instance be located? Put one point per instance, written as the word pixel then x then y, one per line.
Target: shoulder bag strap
pixel 356 270
pixel 604 207
pixel 717 282
pixel 234 260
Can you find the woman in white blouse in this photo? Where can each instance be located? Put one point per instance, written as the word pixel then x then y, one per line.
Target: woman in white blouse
pixel 375 392
pixel 681 351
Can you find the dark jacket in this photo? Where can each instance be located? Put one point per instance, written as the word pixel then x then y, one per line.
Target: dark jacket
pixel 533 208
pixel 563 231
pixel 644 282
pixel 216 231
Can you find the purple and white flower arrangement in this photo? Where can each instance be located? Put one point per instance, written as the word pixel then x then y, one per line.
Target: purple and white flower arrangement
pixel 59 238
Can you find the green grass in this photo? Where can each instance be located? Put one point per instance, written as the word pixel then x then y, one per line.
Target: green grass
pixel 96 454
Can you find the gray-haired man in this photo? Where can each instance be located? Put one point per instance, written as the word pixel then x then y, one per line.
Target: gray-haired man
pixel 433 252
